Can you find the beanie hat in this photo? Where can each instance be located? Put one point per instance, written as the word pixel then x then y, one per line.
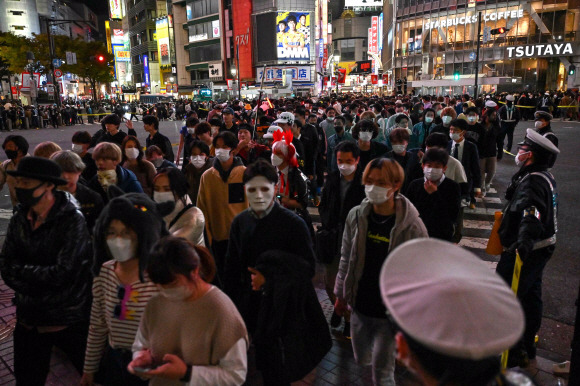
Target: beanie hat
pixel 138 212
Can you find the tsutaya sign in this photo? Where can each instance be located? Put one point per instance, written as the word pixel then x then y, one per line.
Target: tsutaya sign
pixel 472 19
pixel 547 49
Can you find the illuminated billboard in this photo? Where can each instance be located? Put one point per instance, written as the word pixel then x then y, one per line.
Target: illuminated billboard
pixel 115 9
pixel 163 47
pixel 293 35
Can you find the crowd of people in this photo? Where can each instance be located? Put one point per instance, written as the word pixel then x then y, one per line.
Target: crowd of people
pixel 202 258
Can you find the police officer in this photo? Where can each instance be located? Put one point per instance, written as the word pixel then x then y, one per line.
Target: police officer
pixel 440 298
pixel 529 227
pixel 542 126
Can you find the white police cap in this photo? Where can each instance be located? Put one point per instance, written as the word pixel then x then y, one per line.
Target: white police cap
pixel 538 141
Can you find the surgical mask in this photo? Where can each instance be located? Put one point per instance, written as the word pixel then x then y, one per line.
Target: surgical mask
pixel 472 119
pixel 132 153
pixel 446 120
pixel 163 196
pixel 402 125
pixel 346 169
pixel 223 155
pixel 277 160
pixel 376 194
pixel 77 148
pixel 260 193
pixel 365 136
pixel 176 293
pixel 420 111
pixel 121 249
pixel 519 162
pixel 191 130
pixel 399 149
pixel 330 119
pixel 198 161
pixel 455 136
pixel 11 154
pixel 439 113
pixel 26 196
pixel 157 162
pixel 433 174
pixel 538 125
pixel 428 119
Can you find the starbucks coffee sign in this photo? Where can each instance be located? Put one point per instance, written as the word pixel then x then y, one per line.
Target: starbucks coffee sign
pixel 471 19
pixel 545 49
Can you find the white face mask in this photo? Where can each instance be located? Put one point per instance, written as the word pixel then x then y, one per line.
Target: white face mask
pixel 175 293
pixel 277 160
pixel 163 196
pixel 223 155
pixel 455 136
pixel 377 194
pixel 399 149
pixel 519 162
pixel 121 249
pixel 132 153
pixel 433 174
pixel 77 148
pixel 191 130
pixel 260 193
pixel 198 161
pixel 346 169
pixel 472 119
pixel 446 120
pixel 538 125
pixel 365 136
pixel 428 119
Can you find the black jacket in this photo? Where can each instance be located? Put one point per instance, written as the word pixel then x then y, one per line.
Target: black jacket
pixel 487 145
pixel 309 138
pixel 91 204
pixel 503 115
pixel 163 143
pixel 332 212
pixel 376 150
pixel 470 162
pixel 90 167
pixel 549 134
pixel 411 164
pixel 49 268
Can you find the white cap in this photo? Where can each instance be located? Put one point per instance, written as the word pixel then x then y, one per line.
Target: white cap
pixel 534 139
pixel 510 98
pixel 286 117
pixel 270 133
pixel 450 301
pixel 490 104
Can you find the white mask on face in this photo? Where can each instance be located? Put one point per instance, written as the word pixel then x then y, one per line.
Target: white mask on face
pixel 198 161
pixel 433 174
pixel 163 196
pixel 176 293
pixel 346 169
pixel 455 136
pixel 121 249
pixel 472 119
pixel 223 155
pixel 446 119
pixel 365 136
pixel 191 130
pixel 77 148
pixel 260 193
pixel 538 125
pixel 399 149
pixel 132 153
pixel 519 162
pixel 377 194
pixel 429 119
pixel 277 160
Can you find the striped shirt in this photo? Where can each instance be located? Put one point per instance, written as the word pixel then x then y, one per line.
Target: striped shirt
pixel 115 314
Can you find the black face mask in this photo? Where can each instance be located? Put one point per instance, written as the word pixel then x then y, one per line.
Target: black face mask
pixel 26 197
pixel 11 154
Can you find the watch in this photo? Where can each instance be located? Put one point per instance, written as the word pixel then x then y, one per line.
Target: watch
pixel 187 377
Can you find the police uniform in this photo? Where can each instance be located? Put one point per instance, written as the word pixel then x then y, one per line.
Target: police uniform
pixel 548 133
pixel 446 302
pixel 529 225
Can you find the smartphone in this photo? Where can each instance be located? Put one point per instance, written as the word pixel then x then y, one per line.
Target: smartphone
pixel 144 369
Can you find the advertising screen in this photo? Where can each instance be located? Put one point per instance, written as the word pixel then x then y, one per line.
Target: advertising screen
pixel 115 9
pixel 293 35
pixel 163 47
pixel 146 78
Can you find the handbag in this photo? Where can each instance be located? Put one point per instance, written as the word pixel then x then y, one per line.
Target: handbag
pixel 326 242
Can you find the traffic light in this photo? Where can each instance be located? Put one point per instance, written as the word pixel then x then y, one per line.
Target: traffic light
pixel 571 69
pixel 499 31
pixel 100 58
pixel 456 75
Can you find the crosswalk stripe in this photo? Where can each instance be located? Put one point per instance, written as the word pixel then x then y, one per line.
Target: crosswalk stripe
pixel 492 191
pixel 492 200
pixel 473 242
pixel 475 224
pixel 484 211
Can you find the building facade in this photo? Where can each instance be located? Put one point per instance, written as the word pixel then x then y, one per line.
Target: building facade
pixel 435 45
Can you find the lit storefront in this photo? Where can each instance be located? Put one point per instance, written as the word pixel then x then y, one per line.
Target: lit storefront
pixel 436 44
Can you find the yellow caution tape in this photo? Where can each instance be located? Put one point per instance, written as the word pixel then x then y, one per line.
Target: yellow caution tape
pixel 507 152
pixel 515 283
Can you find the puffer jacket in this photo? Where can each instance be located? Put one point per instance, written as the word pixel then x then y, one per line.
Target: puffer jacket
pixel 49 267
pixel 408 225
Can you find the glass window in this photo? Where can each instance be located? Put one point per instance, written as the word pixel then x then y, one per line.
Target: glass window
pixel 154 56
pixel 205 53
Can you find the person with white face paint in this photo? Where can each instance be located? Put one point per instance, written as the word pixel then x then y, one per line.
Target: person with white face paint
pixel 384 220
pixel 437 198
pixel 192 332
pixel 125 232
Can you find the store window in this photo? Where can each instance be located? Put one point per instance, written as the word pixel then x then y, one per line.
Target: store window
pixel 202 8
pixel 205 53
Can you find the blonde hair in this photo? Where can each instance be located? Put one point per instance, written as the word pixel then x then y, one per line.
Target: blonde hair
pixel 449 111
pixel 46 149
pixel 368 115
pixel 392 171
pixel 107 150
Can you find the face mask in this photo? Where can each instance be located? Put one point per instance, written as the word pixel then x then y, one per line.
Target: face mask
pixel 399 149
pixel 223 155
pixel 428 119
pixel 433 174
pixel 176 293
pixel 198 161
pixel 25 196
pixel 377 194
pixel 121 249
pixel 365 136
pixel 538 125
pixel 132 153
pixel 277 160
pixel 191 130
pixel 163 196
pixel 258 197
pixel 107 177
pixel 77 148
pixel 402 125
pixel 455 137
pixel 439 113
pixel 330 119
pixel 472 119
pixel 157 162
pixel 346 169
pixel 420 111
pixel 446 120
pixel 519 162
pixel 11 154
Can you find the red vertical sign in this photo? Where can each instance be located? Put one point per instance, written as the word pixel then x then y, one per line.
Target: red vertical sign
pixel 374 79
pixel 242 39
pixel 385 79
pixel 374 43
